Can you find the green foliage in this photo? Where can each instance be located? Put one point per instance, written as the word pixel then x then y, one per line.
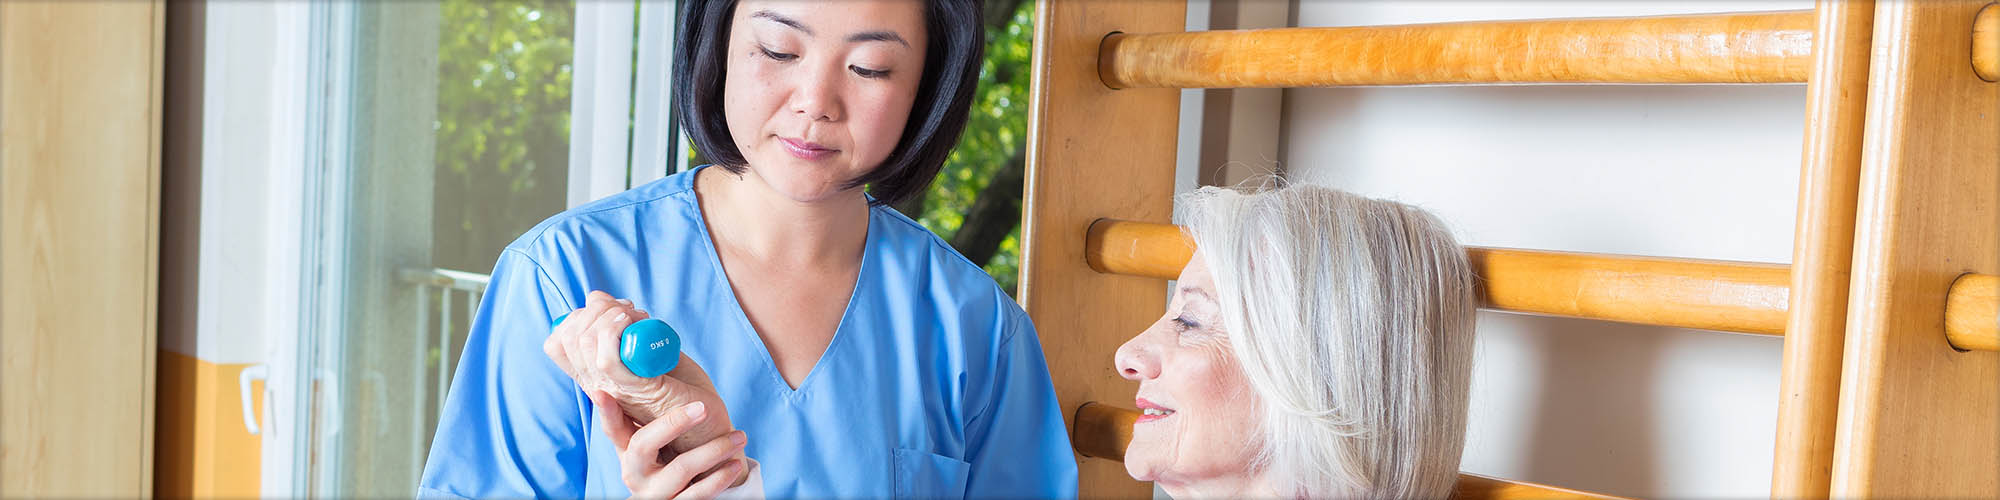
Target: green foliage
pixel 502 123
pixel 996 131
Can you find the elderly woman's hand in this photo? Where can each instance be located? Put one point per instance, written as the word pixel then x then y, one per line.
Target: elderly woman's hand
pixel 701 472
pixel 585 346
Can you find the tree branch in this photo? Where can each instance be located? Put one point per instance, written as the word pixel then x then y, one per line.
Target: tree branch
pixel 994 214
pixel 999 12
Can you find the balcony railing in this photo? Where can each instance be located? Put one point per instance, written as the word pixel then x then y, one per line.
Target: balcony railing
pixel 444 298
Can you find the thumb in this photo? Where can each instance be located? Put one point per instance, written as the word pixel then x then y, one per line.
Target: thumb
pixel 616 425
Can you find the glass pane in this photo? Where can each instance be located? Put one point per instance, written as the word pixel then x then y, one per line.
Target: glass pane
pixel 975 203
pixel 459 143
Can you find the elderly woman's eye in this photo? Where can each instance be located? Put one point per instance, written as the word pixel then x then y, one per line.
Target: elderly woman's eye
pixel 869 73
pixel 1185 323
pixel 777 56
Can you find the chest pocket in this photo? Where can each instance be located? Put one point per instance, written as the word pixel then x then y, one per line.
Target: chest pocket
pixel 922 474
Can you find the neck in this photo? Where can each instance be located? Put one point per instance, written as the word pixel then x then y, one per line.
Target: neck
pixel 1231 486
pixel 750 219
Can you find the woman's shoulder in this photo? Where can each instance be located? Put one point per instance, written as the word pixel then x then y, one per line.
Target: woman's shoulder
pixel 913 254
pixel 607 222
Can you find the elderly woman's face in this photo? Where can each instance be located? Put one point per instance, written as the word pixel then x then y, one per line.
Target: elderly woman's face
pixel 1200 423
pixel 818 92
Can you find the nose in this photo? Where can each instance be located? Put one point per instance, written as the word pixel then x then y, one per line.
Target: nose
pixel 1137 360
pixel 817 98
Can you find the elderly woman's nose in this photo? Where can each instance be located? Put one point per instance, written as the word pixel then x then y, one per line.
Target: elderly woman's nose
pixel 1136 361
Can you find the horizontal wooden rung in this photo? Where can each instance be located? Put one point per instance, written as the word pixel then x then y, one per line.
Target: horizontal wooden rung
pixel 1711 295
pixel 1986 43
pixel 1103 430
pixel 1748 47
pixel 1725 296
pixel 1972 313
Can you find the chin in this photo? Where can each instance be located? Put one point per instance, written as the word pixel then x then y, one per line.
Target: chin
pixel 801 184
pixel 1141 465
pixel 1136 470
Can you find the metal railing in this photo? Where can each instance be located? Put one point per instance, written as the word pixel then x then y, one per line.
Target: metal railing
pixel 455 295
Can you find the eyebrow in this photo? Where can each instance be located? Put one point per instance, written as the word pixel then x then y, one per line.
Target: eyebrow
pixel 1188 290
pixel 781 19
pixel 865 36
pixel 877 36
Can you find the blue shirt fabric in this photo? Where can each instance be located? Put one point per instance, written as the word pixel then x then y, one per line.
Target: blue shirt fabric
pixel 934 383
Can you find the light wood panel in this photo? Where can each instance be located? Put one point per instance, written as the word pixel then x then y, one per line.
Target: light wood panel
pixel 1104 430
pixel 1092 152
pixel 1711 295
pixel 79 190
pixel 1917 418
pixel 1764 47
pixel 1822 250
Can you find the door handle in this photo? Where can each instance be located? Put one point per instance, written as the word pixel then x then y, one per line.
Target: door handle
pixel 252 372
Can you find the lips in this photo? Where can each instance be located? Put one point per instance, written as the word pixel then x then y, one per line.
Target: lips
pixel 806 150
pixel 1150 411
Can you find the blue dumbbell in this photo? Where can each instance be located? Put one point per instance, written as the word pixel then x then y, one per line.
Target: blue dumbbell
pixel 649 347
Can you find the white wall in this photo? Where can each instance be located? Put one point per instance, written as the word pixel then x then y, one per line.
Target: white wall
pixel 240 240
pixel 1686 171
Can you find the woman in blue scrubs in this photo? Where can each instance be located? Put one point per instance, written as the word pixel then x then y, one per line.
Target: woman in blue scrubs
pixel 857 353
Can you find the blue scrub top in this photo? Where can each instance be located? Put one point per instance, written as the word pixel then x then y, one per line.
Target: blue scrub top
pixel 934 384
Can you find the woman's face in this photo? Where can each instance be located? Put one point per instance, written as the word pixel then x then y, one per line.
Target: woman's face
pixel 818 92
pixel 1198 436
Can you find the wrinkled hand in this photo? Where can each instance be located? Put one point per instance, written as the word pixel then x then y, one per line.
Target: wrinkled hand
pixel 701 472
pixel 585 346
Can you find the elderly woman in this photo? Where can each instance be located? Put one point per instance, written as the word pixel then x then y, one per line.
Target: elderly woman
pixel 1319 345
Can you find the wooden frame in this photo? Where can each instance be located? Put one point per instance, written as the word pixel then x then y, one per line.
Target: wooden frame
pixel 1070 158
pixel 1918 418
pixel 1905 142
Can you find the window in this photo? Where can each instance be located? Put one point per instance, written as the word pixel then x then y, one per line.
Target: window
pixel 435 133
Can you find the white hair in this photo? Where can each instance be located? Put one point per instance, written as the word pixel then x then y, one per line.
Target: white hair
pixel 1353 321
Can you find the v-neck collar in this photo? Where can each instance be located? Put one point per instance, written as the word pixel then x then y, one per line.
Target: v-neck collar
pixel 738 314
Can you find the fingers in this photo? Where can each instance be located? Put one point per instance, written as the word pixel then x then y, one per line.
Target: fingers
pixel 597 347
pixel 639 461
pixel 553 346
pixel 717 455
pixel 561 342
pixel 712 485
pixel 616 425
pixel 654 436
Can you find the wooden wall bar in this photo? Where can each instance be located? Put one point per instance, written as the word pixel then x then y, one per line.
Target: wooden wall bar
pixel 1103 430
pixel 1822 250
pixel 1712 295
pixel 1759 47
pixel 1917 418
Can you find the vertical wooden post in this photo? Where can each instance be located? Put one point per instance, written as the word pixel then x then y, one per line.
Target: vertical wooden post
pixel 1822 249
pixel 1919 419
pixel 1092 152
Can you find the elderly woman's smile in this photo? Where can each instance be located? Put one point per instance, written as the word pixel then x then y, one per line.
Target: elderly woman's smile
pixel 1199 418
pixel 1152 411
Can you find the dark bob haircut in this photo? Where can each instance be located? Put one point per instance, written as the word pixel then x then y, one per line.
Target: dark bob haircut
pixel 957 42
